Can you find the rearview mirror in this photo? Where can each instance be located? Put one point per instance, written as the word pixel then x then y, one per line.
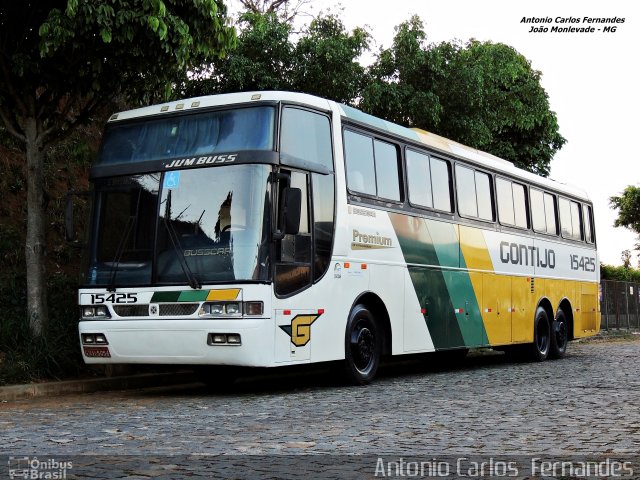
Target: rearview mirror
pixel 290 211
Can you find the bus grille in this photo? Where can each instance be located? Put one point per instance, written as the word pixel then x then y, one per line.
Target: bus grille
pixel 131 310
pixel 178 309
pixel 166 310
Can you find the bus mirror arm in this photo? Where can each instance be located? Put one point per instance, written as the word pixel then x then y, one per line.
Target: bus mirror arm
pixel 290 211
pixel 69 231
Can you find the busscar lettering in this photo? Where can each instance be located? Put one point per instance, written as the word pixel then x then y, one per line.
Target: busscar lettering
pixel 207 252
pixel 199 161
pixel 520 254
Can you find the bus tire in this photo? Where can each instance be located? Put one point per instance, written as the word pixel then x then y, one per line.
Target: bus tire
pixel 541 336
pixel 363 346
pixel 559 336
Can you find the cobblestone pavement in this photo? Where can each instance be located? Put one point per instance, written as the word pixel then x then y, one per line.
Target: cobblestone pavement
pixel 585 404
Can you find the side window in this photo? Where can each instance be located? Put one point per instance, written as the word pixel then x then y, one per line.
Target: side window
pixel 520 205
pixel 538 218
pixel 474 193
pixel 576 221
pixel 419 178
pixel 550 214
pixel 504 196
pixel 293 265
pixel 323 190
pixel 305 141
pixel 512 204
pixel 570 219
pixel 429 180
pixel 441 182
pixel 485 200
pixel 543 212
pixel 387 179
pixel 358 152
pixel 372 166
pixel 587 214
pixel 466 190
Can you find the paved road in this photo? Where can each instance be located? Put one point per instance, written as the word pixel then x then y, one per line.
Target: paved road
pixel 585 404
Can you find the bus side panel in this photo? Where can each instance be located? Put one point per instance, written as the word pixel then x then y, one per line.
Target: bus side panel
pixel 588 322
pixel 432 251
pixel 523 304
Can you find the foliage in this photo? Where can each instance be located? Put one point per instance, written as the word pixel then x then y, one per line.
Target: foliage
pixel 323 61
pixel 261 60
pixel 56 353
pixel 628 207
pixel 620 273
pixel 286 10
pixel 134 47
pixel 61 60
pixel 402 80
pixel 481 94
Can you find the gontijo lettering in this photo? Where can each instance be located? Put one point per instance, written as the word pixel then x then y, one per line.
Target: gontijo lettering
pixel 520 254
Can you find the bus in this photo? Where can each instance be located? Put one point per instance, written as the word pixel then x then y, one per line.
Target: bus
pixel 266 229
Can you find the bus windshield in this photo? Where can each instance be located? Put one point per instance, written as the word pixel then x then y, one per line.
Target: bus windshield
pixel 194 226
pixel 205 133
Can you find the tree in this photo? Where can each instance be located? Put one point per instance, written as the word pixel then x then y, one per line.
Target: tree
pixel 482 94
pixel 628 206
pixel 322 62
pixel 261 60
pixel 61 60
pixel 284 9
pixel 325 60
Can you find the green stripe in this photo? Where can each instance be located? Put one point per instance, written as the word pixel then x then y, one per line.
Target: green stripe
pixel 431 288
pixel 429 242
pixel 193 295
pixel 165 297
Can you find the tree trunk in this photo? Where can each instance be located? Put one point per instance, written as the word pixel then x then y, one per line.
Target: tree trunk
pixel 36 241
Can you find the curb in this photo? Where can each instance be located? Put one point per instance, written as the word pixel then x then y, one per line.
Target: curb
pixel 146 380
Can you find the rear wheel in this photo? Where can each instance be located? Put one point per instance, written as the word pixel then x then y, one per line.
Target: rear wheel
pixel 541 345
pixel 559 336
pixel 362 346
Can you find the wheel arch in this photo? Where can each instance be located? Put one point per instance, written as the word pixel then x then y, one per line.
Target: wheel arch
pixel 379 310
pixel 545 303
pixel 567 309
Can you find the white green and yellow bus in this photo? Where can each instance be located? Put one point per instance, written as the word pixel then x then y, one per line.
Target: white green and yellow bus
pixel 265 229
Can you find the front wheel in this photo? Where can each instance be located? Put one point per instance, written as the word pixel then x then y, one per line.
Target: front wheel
pixel 559 336
pixel 362 346
pixel 541 336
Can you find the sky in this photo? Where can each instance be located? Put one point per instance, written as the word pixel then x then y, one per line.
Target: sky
pixel 591 80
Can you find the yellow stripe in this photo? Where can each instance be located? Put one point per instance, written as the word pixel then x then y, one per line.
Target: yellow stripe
pixel 222 295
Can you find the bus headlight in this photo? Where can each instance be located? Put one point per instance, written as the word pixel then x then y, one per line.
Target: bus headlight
pixel 231 309
pixel 95 312
pixel 216 309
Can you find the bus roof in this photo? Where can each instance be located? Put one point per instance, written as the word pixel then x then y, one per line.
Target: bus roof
pixel 461 151
pixel 436 142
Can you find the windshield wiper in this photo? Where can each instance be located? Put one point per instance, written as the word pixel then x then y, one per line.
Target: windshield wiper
pixel 119 251
pixel 173 236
